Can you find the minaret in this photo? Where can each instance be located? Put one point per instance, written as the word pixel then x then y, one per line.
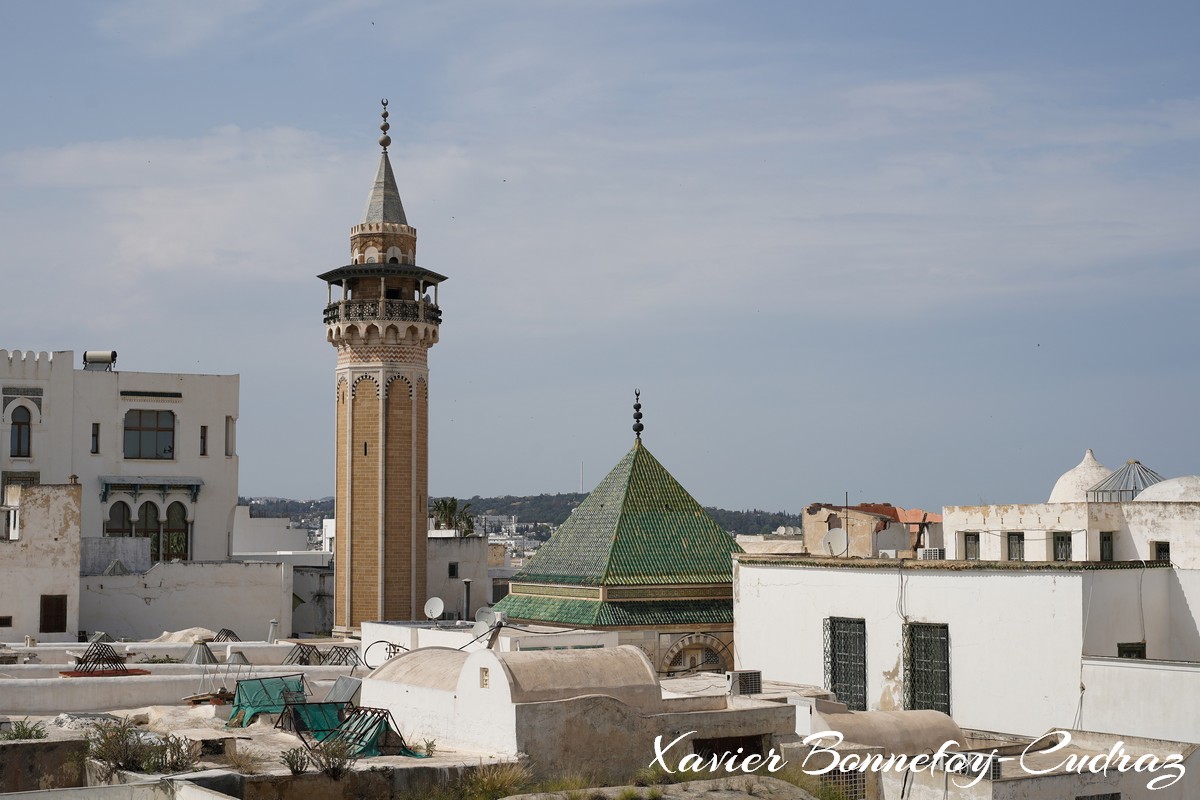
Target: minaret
pixel 382 318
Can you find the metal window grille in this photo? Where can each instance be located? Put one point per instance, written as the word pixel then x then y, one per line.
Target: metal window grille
pixel 1162 551
pixel 927 667
pixel 1016 547
pixel 846 661
pixel 971 546
pixel 850 785
pixel 1062 547
pixel 1131 650
pixel 1106 545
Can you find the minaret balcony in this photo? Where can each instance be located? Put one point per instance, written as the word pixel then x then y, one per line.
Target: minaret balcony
pixel 364 310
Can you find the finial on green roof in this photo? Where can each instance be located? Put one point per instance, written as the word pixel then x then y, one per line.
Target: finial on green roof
pixel 638 427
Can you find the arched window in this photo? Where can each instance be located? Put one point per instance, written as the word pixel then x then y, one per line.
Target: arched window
pixel 149 433
pixel 19 444
pixel 119 523
pixel 147 525
pixel 175 533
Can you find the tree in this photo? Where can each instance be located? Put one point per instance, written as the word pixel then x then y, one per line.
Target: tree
pixel 445 512
pixel 464 521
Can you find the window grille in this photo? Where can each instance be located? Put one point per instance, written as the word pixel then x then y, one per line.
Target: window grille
pixel 846 661
pixel 850 785
pixel 1162 551
pixel 1106 545
pixel 971 546
pixel 927 667
pixel 1131 650
pixel 1016 547
pixel 1062 547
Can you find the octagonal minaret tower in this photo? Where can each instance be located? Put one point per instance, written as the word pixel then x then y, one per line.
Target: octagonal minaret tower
pixel 382 317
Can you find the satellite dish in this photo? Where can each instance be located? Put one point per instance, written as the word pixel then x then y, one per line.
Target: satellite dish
pixel 485 615
pixel 480 628
pixel 434 607
pixel 835 543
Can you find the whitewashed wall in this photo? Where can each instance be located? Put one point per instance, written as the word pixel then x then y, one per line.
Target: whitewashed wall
pixel 1015 635
pixel 173 596
pixel 265 534
pixel 471 555
pixel 1142 698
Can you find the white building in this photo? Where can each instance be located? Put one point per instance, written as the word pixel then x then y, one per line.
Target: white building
pixel 155 453
pixel 1093 514
pixel 1079 613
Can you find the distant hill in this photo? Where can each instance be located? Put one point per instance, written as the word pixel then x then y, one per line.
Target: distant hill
pixel 550 508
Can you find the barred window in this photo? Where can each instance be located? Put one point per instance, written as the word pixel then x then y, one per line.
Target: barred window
pixel 846 661
pixel 1062 547
pixel 1106 545
pixel 971 546
pixel 927 667
pixel 1016 547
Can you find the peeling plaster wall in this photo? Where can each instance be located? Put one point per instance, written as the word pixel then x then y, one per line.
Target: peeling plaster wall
pixel 1015 636
pixel 177 595
pixel 1136 526
pixel 44 560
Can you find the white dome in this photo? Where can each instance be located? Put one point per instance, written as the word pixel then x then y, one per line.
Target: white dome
pixel 1073 486
pixel 1175 490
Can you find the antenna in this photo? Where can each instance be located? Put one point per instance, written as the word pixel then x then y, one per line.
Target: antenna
pixel 479 629
pixel 434 607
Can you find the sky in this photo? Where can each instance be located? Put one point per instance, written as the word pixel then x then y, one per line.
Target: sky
pixel 922 253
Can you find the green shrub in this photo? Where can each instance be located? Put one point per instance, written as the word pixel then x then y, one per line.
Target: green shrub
pixel 296 760
pixel 493 781
pixel 117 744
pixel 333 757
pixel 23 729
pixel 172 754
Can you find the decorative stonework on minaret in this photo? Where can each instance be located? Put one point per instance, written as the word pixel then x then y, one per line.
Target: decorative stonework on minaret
pixel 382 319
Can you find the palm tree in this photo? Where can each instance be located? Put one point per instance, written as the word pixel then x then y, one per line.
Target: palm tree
pixel 464 520
pixel 445 512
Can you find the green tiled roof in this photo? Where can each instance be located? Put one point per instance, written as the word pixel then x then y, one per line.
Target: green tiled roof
pixel 593 613
pixel 638 527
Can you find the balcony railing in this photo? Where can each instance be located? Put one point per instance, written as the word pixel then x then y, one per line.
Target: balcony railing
pixel 361 310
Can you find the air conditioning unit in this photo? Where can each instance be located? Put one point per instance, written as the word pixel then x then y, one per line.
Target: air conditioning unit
pixel 744 681
pixel 887 554
pixel 931 554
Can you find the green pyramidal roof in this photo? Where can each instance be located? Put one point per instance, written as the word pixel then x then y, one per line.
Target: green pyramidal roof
pixel 638 527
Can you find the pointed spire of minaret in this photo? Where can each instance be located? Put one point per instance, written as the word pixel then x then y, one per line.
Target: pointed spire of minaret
pixel 638 427
pixel 383 203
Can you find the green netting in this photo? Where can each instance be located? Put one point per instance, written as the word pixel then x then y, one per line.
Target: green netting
pixel 257 695
pixel 370 732
pixel 316 719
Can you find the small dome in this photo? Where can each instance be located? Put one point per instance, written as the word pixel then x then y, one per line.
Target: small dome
pixel 1073 486
pixel 1176 490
